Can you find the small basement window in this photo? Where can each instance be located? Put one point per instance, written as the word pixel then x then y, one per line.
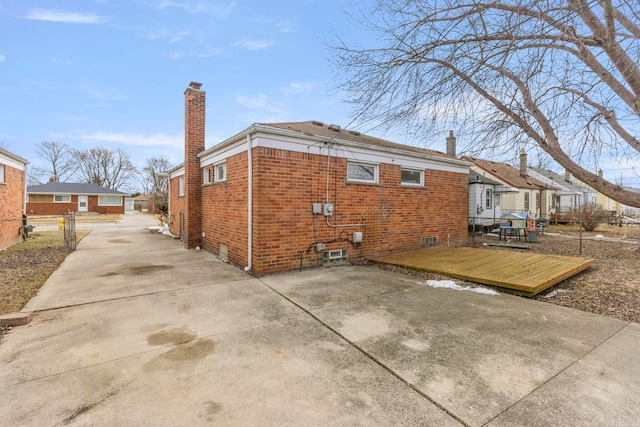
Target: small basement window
pixel 62 198
pixel 411 177
pixel 362 172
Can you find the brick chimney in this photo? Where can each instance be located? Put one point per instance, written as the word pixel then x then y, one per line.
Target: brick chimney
pixel 567 175
pixel 451 144
pixel 600 174
pixel 523 164
pixel 194 120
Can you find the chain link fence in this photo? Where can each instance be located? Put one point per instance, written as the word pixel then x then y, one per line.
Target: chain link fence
pixel 51 231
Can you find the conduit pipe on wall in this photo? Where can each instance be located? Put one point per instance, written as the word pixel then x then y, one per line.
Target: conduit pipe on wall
pixel 249 203
pixel 329 144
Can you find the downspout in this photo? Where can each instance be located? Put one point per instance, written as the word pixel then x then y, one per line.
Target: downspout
pixel 249 203
pixel 24 193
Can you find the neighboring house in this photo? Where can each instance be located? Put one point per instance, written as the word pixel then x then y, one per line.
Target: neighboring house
pixel 284 196
pixel 569 193
pixel 57 198
pixel 485 197
pixel 532 195
pixel 13 173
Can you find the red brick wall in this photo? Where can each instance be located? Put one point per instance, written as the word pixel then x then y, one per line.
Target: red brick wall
pixel 284 228
pixel 36 208
pixel 176 206
pixel 224 212
pixel 11 205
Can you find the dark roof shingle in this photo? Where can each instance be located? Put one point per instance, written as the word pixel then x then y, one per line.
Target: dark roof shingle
pixel 71 188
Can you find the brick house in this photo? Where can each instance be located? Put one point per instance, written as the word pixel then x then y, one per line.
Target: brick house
pixel 58 198
pixel 13 173
pixel 283 196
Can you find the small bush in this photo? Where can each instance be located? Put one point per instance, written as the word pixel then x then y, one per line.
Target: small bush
pixel 592 216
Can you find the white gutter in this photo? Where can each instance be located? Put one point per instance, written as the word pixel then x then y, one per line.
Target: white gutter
pixel 249 203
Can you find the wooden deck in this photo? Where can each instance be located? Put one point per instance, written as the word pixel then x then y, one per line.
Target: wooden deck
pixel 523 273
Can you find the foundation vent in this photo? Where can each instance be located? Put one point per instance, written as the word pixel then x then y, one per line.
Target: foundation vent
pixel 428 242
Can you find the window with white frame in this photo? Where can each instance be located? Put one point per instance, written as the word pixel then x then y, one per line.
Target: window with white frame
pixel 110 200
pixel 1 173
pixel 362 172
pixel 181 185
pixel 488 199
pixel 62 198
pixel 411 177
pixel 206 176
pixel 526 202
pixel 221 172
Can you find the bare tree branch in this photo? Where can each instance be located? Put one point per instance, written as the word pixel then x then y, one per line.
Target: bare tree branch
pixel 562 74
pixel 105 167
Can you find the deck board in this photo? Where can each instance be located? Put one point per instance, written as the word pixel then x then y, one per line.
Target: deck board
pixel 521 272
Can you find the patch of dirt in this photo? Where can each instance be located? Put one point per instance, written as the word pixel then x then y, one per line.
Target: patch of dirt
pixel 610 287
pixel 22 274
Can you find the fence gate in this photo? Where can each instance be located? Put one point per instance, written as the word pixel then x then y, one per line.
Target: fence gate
pixel 70 230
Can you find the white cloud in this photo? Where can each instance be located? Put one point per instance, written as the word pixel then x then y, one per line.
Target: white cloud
pixel 178 54
pixel 155 140
pixel 170 36
pixel 2 58
pixel 255 44
pixel 65 17
pixel 94 93
pixel 285 27
pixel 259 102
pixel 208 53
pixel 255 102
pixel 198 7
pixel 298 87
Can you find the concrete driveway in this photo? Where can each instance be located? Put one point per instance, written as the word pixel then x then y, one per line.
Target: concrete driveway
pixel 134 330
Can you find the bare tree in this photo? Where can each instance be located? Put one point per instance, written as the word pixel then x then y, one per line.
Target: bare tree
pixel 155 182
pixel 562 74
pixel 105 167
pixel 61 164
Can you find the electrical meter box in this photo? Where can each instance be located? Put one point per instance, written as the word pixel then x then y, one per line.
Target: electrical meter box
pixel 328 209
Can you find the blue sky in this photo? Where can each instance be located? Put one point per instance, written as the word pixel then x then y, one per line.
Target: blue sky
pixel 112 73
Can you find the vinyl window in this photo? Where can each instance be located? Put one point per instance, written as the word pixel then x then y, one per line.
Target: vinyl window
pixel 221 172
pixel 62 198
pixel 1 173
pixel 206 176
pixel 110 200
pixel 488 199
pixel 411 177
pixel 362 172
pixel 181 186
